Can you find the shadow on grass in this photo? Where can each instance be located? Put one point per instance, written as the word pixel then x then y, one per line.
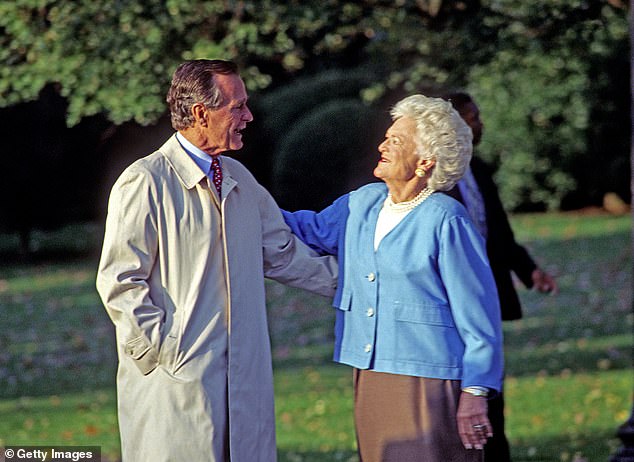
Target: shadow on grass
pixel 553 362
pixel 317 456
pixel 54 256
pixel 56 336
pixel 65 244
pixel 581 448
pixel 587 447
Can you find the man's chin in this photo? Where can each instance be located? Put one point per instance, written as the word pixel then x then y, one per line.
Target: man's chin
pixel 236 143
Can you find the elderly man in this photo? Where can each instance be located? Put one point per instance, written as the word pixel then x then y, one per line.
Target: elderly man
pixel 190 236
pixel 477 191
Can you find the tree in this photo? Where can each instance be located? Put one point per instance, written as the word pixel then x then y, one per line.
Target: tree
pixel 550 75
pixel 325 154
pixel 554 99
pixel 626 431
pixel 48 171
pixel 116 56
pixel 112 60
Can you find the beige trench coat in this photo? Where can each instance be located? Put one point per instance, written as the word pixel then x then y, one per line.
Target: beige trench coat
pixel 182 278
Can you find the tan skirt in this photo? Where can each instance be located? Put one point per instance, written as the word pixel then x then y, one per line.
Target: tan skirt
pixel 401 418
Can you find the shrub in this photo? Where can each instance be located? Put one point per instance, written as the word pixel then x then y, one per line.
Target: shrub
pixel 328 152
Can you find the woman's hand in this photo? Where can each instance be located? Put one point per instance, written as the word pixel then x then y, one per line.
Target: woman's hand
pixel 473 424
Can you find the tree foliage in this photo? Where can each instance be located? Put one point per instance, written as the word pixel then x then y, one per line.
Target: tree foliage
pixel 116 56
pixel 554 99
pixel 551 76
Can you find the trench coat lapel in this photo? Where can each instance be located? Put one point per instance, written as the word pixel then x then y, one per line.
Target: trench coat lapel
pixel 186 169
pixel 188 172
pixel 228 182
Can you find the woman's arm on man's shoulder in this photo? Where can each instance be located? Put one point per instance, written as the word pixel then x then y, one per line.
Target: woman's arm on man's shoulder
pixel 323 230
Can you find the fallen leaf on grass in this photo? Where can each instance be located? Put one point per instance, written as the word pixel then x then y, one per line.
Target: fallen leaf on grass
pixel 91 430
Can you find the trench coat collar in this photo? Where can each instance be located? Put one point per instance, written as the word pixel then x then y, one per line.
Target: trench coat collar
pixel 186 169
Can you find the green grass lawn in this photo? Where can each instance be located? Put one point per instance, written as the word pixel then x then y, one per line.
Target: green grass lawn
pixel 569 364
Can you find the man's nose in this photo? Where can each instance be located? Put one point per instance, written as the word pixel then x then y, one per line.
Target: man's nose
pixel 248 115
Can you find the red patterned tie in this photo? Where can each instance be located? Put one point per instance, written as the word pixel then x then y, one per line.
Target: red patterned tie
pixel 217 173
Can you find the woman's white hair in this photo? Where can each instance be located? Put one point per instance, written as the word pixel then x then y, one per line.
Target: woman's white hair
pixel 441 134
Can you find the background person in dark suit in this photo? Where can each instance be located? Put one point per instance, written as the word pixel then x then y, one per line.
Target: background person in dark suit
pixel 477 191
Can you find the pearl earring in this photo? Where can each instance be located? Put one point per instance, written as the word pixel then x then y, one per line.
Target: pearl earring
pixel 420 172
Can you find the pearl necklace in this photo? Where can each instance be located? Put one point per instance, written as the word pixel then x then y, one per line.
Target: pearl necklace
pixel 403 207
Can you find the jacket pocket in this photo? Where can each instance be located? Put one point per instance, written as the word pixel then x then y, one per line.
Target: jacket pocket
pixel 346 301
pixel 144 356
pixel 420 313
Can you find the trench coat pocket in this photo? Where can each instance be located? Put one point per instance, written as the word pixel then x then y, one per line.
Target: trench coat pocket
pixel 144 356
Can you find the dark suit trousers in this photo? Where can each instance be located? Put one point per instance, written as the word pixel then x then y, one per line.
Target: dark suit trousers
pixel 497 448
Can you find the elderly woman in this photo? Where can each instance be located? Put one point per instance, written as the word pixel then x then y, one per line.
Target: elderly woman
pixel 418 315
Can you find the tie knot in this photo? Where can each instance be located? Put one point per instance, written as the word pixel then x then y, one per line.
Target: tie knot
pixel 216 173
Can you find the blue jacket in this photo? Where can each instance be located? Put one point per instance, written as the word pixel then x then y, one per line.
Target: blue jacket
pixel 424 303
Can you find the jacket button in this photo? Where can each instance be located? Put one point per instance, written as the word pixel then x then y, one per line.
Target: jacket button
pixel 371 277
pixel 367 348
pixel 370 312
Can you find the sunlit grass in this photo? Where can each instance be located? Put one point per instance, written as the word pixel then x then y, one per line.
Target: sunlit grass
pixel 78 419
pixel 314 408
pixel 55 332
pixel 556 417
pixel 578 343
pixel 549 418
pixel 47 279
pixel 569 377
pixel 568 225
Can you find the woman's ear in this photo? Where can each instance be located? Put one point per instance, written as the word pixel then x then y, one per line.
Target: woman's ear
pixel 426 164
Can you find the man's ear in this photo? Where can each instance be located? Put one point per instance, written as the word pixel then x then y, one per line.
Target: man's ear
pixel 199 112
